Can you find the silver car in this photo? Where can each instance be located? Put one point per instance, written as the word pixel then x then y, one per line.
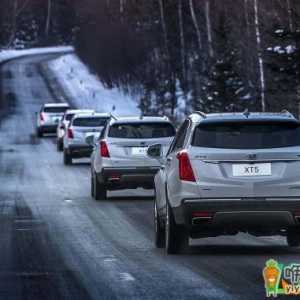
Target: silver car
pixel 229 173
pixel 64 123
pixel 81 126
pixel 49 117
pixel 120 161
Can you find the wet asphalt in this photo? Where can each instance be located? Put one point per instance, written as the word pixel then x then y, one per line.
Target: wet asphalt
pixel 56 242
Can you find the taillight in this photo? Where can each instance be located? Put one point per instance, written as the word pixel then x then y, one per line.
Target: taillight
pixel 104 149
pixel 70 133
pixel 203 214
pixel 42 117
pixel 186 172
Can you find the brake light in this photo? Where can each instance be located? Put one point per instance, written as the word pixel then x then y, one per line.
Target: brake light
pixel 114 177
pixel 70 133
pixel 104 149
pixel 186 172
pixel 42 117
pixel 202 214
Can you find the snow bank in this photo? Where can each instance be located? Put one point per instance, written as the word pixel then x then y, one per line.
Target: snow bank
pixel 87 91
pixel 10 54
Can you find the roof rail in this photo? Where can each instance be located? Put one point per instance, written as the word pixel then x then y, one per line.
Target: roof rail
pixel 246 113
pixel 200 113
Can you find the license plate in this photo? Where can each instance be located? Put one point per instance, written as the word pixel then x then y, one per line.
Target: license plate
pixel 239 170
pixel 55 120
pixel 95 134
pixel 139 151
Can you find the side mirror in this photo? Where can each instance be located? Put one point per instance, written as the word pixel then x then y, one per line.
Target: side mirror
pixel 90 140
pixel 155 151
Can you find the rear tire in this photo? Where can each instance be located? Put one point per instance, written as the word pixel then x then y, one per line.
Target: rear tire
pixel 293 238
pixel 177 238
pixel 100 190
pixel 59 146
pixel 160 233
pixel 67 158
pixel 39 133
pixel 92 186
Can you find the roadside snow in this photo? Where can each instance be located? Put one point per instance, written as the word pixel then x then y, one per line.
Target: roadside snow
pixel 87 91
pixel 10 54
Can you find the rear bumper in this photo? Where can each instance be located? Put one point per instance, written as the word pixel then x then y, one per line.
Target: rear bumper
pixel 80 151
pixel 51 128
pixel 131 177
pixel 239 214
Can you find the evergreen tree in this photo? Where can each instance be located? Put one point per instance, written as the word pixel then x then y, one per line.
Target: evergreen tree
pixel 224 88
pixel 283 62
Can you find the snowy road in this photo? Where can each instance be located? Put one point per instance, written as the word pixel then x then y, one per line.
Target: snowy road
pixel 57 243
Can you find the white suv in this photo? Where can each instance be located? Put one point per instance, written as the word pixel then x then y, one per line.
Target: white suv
pixel 49 117
pixel 64 123
pixel 119 159
pixel 229 173
pixel 81 126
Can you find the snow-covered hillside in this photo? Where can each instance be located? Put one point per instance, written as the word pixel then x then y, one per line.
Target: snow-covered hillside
pixel 87 91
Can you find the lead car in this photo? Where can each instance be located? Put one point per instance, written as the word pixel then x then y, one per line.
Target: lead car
pixel 229 173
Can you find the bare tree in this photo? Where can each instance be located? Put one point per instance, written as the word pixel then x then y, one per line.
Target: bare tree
pixel 260 58
pixel 164 24
pixel 14 23
pixel 48 18
pixel 247 47
pixel 195 22
pixel 208 26
pixel 290 15
pixel 182 40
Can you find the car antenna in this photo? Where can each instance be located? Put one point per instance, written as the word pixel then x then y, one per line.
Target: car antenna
pixel 246 113
pixel 286 112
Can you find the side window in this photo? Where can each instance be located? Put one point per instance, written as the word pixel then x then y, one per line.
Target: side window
pixel 179 139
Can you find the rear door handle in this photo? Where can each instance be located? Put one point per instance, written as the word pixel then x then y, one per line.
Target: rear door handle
pixel 169 159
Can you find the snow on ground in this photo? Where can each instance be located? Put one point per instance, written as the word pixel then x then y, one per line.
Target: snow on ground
pixel 87 91
pixel 10 54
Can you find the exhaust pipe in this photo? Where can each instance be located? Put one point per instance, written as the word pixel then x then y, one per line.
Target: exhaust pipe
pixel 114 177
pixel 202 217
pixel 201 220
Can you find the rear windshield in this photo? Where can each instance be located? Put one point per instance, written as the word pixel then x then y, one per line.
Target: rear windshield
pixel 55 109
pixel 240 135
pixel 141 131
pixel 90 122
pixel 69 117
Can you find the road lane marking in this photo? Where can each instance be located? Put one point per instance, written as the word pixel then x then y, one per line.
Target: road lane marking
pixel 111 259
pixel 28 221
pixel 126 277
